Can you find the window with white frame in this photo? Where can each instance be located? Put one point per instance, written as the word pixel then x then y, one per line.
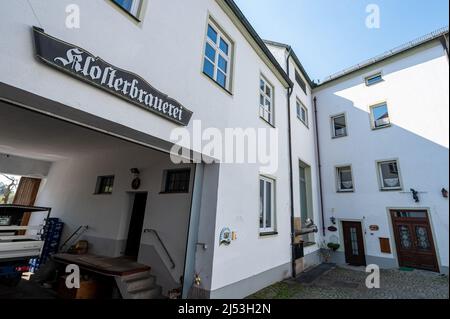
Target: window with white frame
pixel 217 56
pixel 133 7
pixel 339 126
pixel 374 79
pixel 266 205
pixel 302 113
pixel 344 179
pixel 266 101
pixel 380 116
pixel 389 175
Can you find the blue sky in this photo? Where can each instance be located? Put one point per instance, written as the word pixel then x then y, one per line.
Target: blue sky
pixel 331 35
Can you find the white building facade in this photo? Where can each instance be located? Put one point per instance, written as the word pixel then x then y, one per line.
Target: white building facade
pixel 88 120
pixel 383 136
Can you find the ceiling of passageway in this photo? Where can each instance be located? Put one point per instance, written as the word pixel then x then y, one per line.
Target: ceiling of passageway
pixel 29 134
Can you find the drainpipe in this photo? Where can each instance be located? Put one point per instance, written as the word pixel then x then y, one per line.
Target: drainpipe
pixel 320 165
pixel 291 181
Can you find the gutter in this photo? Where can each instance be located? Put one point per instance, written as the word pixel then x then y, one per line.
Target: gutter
pixel 291 179
pixel 319 166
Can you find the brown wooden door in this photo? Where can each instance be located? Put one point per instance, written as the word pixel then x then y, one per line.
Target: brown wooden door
pixel 414 240
pixel 354 244
pixel 26 195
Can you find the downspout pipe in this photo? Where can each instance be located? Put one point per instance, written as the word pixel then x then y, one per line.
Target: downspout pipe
pixel 291 180
pixel 316 128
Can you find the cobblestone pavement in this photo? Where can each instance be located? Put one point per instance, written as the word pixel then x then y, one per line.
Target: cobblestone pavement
pixel 347 283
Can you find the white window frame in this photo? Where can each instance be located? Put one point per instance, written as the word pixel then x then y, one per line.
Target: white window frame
pixel 272 229
pixel 333 131
pixel 301 106
pixel 372 76
pixel 380 175
pixel 263 110
pixel 216 46
pixel 372 118
pixel 338 179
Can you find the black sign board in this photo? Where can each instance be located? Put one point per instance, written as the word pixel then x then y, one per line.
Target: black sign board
pixel 83 65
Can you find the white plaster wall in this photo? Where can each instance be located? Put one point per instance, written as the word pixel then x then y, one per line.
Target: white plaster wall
pixel 69 191
pixel 415 87
pixel 303 143
pixel 17 165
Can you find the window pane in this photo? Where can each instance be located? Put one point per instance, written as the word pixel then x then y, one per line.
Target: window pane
pixel 210 52
pixel 374 79
pixel 221 78
pixel 389 174
pixel 345 178
pixel 223 46
pixel 261 85
pixel 223 64
pixel 339 126
pixel 268 91
pixel 261 100
pixel 303 196
pixel 208 68
pixel 380 115
pixel 212 34
pixel 126 4
pixel 261 204
pixel 268 205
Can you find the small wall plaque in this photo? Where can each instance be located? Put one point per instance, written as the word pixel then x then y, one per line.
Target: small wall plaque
pixel 374 227
pixel 332 228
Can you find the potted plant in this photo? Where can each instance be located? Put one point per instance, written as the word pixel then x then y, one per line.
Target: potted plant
pixel 333 246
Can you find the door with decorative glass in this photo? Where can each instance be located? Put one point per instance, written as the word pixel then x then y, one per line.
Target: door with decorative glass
pixel 353 243
pixel 414 240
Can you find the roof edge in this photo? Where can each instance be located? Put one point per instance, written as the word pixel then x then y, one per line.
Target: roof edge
pixel 432 36
pixel 238 13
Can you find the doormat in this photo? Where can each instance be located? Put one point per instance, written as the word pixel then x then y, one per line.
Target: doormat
pixel 314 273
pixel 406 269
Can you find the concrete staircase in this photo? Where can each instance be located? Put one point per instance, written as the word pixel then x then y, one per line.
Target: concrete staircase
pixel 141 285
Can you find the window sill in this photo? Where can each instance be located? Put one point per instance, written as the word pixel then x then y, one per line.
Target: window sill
pixel 166 193
pixel 308 244
pixel 338 137
pixel 266 234
pixel 391 189
pixel 102 194
pixel 381 127
pixel 345 191
pixel 217 84
pixel 268 123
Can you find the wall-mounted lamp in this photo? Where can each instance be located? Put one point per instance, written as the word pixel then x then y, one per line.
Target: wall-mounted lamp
pixel 444 193
pixel 415 195
pixel 333 220
pixel 136 183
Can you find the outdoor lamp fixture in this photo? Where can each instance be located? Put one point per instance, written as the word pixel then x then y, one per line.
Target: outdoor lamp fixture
pixel 415 195
pixel 136 183
pixel 333 220
pixel 444 193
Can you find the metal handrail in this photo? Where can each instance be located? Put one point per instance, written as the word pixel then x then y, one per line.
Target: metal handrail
pixel 150 230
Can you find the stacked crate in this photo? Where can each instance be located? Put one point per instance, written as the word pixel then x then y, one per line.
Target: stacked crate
pixel 51 234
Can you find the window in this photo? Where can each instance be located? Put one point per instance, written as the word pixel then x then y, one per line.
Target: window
pixel 266 101
pixel 306 211
pixel 177 181
pixel 300 81
pixel 266 205
pixel 389 175
pixel 217 57
pixel 104 185
pixel 373 79
pixel 133 7
pixel 302 113
pixel 339 126
pixel 344 179
pixel 379 116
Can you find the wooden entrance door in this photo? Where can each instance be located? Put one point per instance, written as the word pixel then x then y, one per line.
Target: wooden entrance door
pixel 414 240
pixel 354 244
